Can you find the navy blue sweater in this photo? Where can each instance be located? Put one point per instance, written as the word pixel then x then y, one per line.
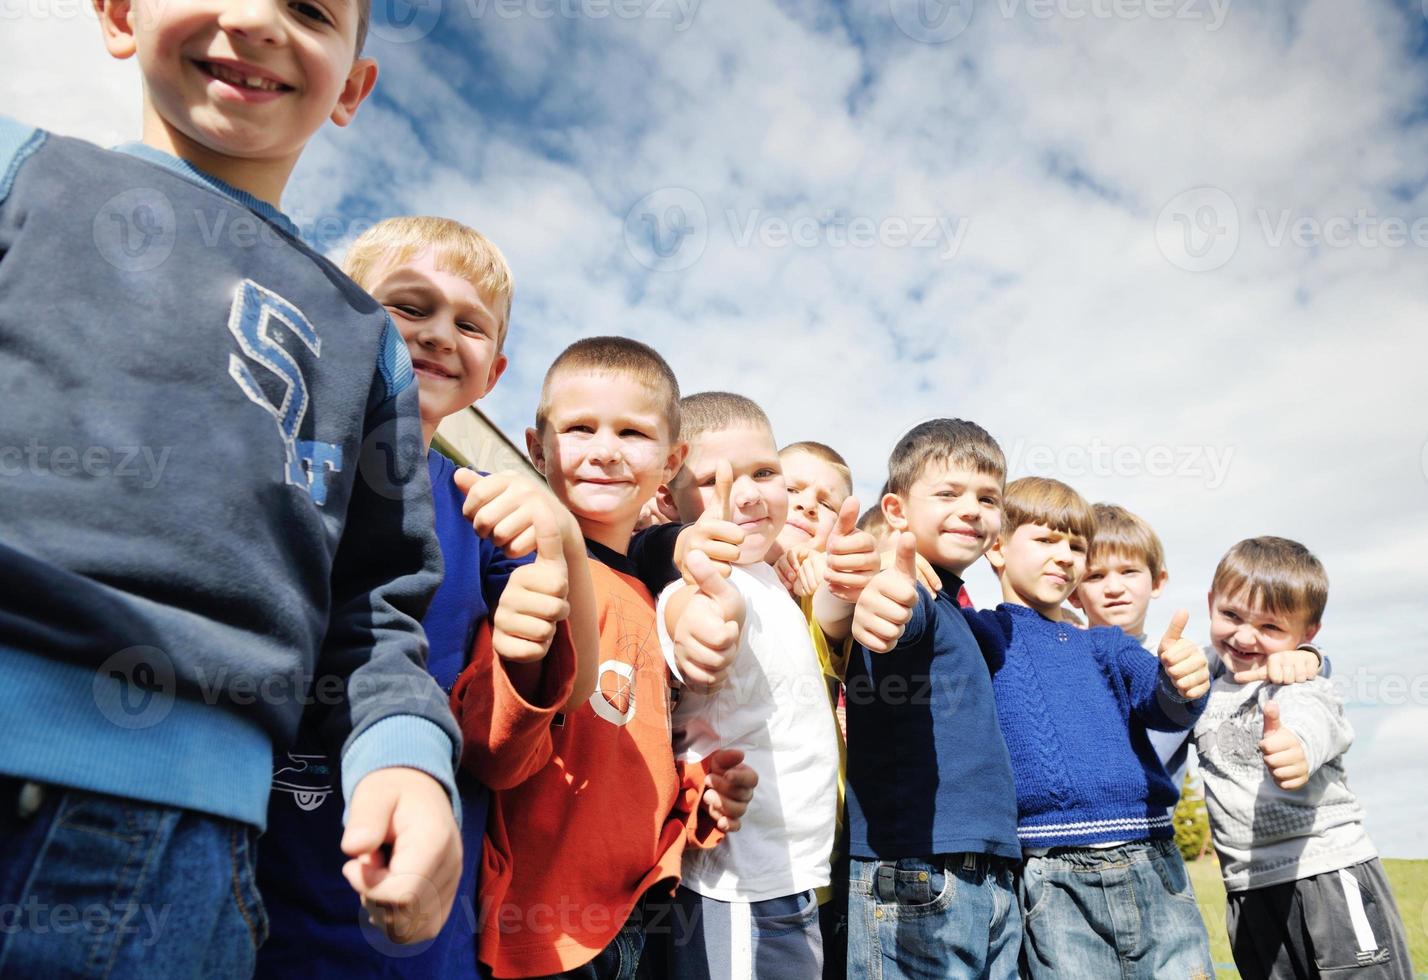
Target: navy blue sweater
pixel 1074 706
pixel 927 770
pixel 215 507
pixel 312 908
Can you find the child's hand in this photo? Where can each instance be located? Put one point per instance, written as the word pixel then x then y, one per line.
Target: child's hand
pixel 715 533
pixel 926 574
pixel 409 894
pixel 1283 752
pixel 706 638
pixel 1284 667
pixel 853 557
pixel 534 601
pixel 728 788
pixel 886 605
pixel 1184 662
pixel 503 508
pixel 650 515
pixel 802 568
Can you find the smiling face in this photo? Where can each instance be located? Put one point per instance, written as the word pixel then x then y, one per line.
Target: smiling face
pixel 1039 566
pixel 248 80
pixel 1244 632
pixel 1116 591
pixel 816 489
pixel 953 511
pixel 604 447
pixel 758 499
pixel 452 330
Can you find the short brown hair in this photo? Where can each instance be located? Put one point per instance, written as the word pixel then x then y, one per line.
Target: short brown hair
pixel 1051 503
pixel 621 356
pixel 364 20
pixel 459 250
pixel 954 441
pixel 712 411
pixel 873 521
pixel 1121 534
pixel 1279 575
pixel 825 453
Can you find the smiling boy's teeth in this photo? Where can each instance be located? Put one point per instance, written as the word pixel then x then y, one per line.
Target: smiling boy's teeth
pixel 225 74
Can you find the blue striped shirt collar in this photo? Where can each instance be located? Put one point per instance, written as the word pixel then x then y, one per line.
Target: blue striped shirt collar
pixel 185 169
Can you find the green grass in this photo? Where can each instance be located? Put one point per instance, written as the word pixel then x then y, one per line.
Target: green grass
pixel 1409 880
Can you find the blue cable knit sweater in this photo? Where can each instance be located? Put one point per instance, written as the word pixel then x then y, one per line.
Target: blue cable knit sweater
pixel 1074 706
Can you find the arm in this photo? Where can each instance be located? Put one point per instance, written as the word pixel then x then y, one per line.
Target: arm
pixel 1168 695
pixel 1304 727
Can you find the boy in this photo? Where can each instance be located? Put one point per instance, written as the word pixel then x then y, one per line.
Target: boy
pixel 449 291
pixel 748 906
pixel 1103 889
pixel 184 619
pixel 1307 893
pixel 931 807
pixel 589 813
pixel 1125 569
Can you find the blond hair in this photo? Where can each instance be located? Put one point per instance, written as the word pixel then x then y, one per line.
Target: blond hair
pixel 1278 575
pixel 457 249
pixel 712 411
pixel 954 442
pixel 1121 534
pixel 616 356
pixel 823 453
pixel 1050 503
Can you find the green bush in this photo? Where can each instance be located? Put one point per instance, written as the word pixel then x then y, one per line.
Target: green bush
pixel 1192 822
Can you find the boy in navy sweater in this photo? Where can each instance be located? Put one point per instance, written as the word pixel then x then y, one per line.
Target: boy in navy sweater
pixel 449 291
pixel 1103 890
pixel 163 630
pixel 931 807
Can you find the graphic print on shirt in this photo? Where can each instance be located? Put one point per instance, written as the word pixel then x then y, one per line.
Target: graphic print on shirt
pixel 1233 742
pixel 615 698
pixel 251 322
pixel 308 779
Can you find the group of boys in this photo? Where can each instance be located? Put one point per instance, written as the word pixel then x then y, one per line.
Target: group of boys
pixel 673 711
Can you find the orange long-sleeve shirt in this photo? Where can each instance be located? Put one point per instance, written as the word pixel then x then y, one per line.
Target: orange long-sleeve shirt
pixel 588 814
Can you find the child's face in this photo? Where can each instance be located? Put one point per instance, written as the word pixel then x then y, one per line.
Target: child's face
pixel 604 450
pixel 815 492
pixel 1116 591
pixel 758 500
pixel 1244 633
pixel 954 513
pixel 452 330
pixel 1040 566
pixel 243 79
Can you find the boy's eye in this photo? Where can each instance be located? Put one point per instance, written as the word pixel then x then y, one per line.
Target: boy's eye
pixel 579 427
pixel 633 434
pixel 312 12
pixel 1229 615
pixel 405 310
pixel 1094 576
pixel 990 502
pixel 765 474
pixel 468 327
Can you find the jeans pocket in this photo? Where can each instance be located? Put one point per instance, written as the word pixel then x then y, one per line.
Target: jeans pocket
pixel 1174 876
pixel 1033 890
pixel 787 920
pixel 242 845
pixel 913 886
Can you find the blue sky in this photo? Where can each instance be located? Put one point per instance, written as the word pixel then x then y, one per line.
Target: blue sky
pixel 1172 251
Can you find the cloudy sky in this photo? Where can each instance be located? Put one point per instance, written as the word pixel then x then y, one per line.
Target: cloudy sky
pixel 1174 252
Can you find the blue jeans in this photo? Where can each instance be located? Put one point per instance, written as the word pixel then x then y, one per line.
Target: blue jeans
pixel 1119 912
pixel 947 916
pixel 95 886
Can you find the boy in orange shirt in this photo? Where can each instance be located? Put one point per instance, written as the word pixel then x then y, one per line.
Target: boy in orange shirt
pixel 589 812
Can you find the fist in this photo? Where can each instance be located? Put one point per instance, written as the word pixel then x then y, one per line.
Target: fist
pixel 729 788
pixel 1183 661
pixel 534 600
pixel 885 607
pixel 502 507
pixel 853 557
pixel 706 638
pixel 715 534
pixel 1282 751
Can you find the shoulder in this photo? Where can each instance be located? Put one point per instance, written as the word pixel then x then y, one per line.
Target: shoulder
pixel 17 142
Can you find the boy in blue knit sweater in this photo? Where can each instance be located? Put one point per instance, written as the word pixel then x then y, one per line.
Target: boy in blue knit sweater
pixel 449 291
pixel 1103 889
pixel 931 806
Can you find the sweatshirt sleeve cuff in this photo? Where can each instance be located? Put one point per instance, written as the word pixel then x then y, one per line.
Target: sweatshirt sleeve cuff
pixel 404 740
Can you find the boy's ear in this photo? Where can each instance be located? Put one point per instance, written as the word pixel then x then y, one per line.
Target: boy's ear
pixel 893 512
pixel 1310 632
pixel 1159 585
pixel 664 502
pixel 359 85
pixel 1210 604
pixel 116 20
pixel 995 556
pixel 1075 600
pixel 674 462
pixel 536 451
pixel 498 368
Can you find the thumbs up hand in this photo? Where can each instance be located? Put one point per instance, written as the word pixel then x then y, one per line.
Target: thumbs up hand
pixel 715 533
pixel 1282 751
pixel 502 508
pixel 885 607
pixel 535 598
pixel 1183 661
pixel 853 557
pixel 706 632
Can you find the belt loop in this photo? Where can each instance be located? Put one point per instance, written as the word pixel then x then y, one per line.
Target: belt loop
pixel 969 862
pixel 885 883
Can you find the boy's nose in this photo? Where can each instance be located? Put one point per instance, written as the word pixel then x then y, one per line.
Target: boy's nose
pixel 256 21
pixel 1246 637
pixel 437 334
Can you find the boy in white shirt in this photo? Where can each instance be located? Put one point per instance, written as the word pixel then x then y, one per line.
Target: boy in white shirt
pixel 747 907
